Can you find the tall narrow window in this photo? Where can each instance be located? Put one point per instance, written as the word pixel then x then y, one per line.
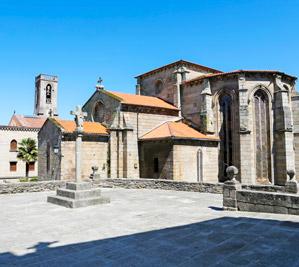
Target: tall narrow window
pixel 13 145
pixel 262 137
pixel 48 157
pixel 225 134
pixel 48 94
pixel 156 165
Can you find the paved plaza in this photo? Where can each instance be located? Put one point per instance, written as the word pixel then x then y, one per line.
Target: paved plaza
pixel 143 228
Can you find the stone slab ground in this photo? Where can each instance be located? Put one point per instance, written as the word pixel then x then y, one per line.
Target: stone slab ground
pixel 143 228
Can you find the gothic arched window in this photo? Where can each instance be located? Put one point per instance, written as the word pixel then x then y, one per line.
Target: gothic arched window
pixel 13 145
pixel 225 134
pixel 48 94
pixel 99 112
pixel 158 87
pixel 262 136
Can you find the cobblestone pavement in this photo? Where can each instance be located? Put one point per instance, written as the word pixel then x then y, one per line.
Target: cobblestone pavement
pixel 143 228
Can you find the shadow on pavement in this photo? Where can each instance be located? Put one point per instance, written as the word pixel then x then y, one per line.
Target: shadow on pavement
pixel 224 241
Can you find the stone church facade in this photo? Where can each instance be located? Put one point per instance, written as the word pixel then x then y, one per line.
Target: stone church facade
pixel 189 122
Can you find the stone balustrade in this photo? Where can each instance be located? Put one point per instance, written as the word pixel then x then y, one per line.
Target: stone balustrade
pixel 235 197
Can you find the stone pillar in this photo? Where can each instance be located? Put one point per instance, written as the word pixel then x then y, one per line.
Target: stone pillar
pixel 230 188
pixel 78 156
pixel 113 152
pixel 207 115
pixel 131 153
pixel 284 138
pixel 246 143
pixel 292 184
pixel 180 73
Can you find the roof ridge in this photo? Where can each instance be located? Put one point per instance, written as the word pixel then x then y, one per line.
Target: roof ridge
pixel 169 129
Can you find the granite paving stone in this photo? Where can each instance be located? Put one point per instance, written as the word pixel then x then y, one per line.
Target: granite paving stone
pixel 143 227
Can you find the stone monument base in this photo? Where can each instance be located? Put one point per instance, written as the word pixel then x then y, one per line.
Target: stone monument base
pixel 78 195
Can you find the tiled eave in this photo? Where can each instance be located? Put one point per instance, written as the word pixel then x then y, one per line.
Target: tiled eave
pixel 174 138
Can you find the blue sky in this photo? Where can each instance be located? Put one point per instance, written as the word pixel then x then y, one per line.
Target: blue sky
pixel 117 40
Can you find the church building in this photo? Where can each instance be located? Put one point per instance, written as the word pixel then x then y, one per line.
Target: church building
pixel 190 122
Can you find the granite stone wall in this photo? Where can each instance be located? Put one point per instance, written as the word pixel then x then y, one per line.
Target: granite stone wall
pixel 13 188
pixel 160 184
pixel 271 202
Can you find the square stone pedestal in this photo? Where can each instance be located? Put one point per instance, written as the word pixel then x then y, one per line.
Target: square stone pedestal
pixel 78 195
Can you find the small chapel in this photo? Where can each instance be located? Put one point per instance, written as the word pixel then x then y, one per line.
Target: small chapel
pixel 185 122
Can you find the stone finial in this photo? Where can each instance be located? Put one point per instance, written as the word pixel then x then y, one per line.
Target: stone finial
pixel 232 172
pixel 291 185
pixel 291 173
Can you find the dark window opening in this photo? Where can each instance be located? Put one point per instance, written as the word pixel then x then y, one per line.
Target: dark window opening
pixel 13 145
pixel 226 133
pixel 13 166
pixel 48 93
pixel 48 157
pixel 31 166
pixel 156 165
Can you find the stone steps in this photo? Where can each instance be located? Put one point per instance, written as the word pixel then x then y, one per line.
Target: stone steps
pixel 76 203
pixel 79 194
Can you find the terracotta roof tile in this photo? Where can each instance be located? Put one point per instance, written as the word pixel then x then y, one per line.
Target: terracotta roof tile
pixel 172 129
pixel 89 127
pixel 27 121
pixel 141 100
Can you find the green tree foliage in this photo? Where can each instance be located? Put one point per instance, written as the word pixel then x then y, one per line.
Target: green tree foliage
pixel 27 152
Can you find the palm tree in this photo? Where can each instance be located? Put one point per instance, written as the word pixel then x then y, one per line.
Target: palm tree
pixel 27 152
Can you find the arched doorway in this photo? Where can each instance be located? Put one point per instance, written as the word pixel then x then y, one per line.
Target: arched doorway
pixel 262 137
pixel 225 134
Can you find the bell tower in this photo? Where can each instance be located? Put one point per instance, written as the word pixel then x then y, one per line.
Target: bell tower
pixel 46 87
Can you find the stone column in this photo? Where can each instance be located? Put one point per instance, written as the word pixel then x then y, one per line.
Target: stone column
pixel 230 188
pixel 284 139
pixel 180 73
pixel 78 156
pixel 246 145
pixel 206 114
pixel 113 151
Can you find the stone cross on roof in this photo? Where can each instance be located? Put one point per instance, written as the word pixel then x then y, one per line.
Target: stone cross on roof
pixel 79 117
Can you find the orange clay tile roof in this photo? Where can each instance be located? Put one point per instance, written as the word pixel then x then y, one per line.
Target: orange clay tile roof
pixel 177 130
pixel 141 100
pixel 88 126
pixel 236 72
pixel 27 121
